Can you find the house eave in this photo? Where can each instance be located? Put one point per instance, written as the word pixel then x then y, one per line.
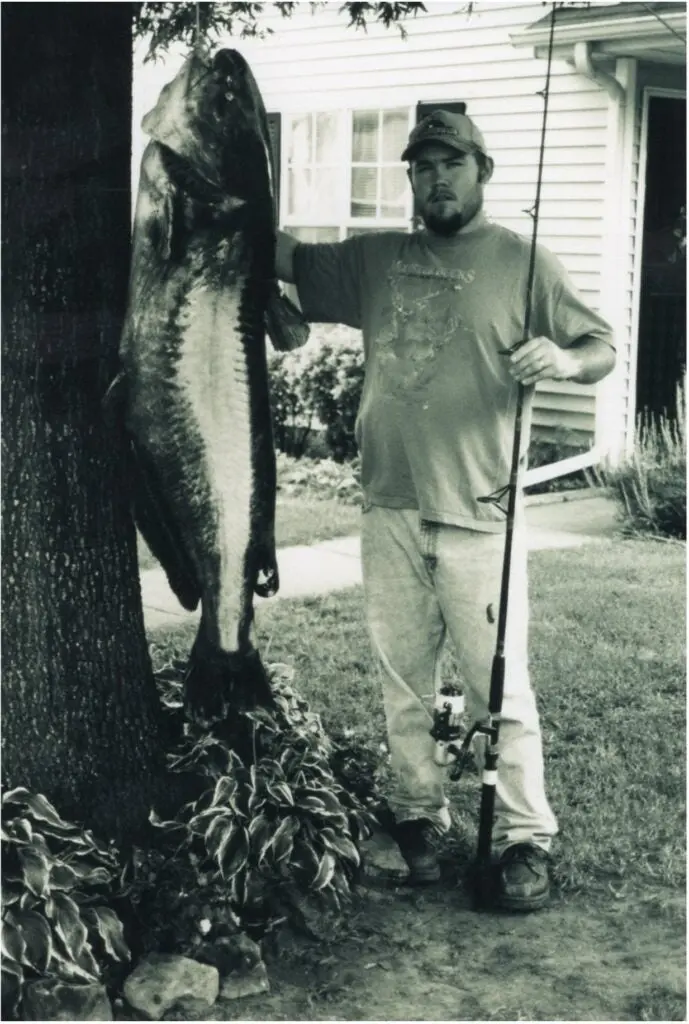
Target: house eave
pixel 641 36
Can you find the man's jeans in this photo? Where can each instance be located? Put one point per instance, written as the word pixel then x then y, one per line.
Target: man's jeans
pixel 421 581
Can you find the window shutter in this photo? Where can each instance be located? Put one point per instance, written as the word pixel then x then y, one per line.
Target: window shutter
pixel 422 109
pixel 274 133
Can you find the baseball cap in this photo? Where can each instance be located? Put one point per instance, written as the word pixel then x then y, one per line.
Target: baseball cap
pixel 455 130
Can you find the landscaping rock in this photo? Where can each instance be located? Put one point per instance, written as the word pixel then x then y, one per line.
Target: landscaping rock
pixel 239 962
pixel 52 999
pixel 249 982
pixel 161 980
pixel 230 953
pixel 382 861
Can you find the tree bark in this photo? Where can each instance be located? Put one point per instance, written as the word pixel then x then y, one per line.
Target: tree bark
pixel 81 717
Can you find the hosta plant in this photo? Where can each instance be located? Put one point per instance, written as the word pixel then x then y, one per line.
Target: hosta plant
pixel 56 882
pixel 277 826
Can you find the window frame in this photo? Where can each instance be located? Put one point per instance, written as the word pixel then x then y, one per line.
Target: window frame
pixel 344 222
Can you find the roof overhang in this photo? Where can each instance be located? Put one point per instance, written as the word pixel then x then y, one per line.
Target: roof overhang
pixel 654 32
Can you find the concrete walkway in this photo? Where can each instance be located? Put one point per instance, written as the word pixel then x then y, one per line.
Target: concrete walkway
pixel 310 570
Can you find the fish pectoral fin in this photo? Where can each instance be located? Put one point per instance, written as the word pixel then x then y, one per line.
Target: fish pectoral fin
pixel 268 577
pixel 286 326
pixel 158 527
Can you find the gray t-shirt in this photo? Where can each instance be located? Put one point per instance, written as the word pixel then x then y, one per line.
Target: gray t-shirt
pixel 436 420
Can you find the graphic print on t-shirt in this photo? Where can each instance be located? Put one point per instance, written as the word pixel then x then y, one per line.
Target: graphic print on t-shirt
pixel 425 318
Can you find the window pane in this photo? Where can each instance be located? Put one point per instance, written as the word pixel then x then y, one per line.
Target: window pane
pixel 298 191
pixel 327 149
pixel 300 140
pixel 394 186
pixel 315 234
pixel 395 131
pixel 364 191
pixel 365 137
pixel 324 193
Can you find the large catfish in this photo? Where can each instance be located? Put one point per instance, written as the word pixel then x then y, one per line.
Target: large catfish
pixel 194 367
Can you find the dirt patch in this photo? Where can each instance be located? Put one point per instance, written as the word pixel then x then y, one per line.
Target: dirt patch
pixel 404 954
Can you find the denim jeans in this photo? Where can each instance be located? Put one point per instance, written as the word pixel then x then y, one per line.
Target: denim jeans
pixel 423 581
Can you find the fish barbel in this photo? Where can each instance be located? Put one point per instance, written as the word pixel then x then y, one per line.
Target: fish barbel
pixel 194 367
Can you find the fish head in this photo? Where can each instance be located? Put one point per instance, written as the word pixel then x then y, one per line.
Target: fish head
pixel 212 116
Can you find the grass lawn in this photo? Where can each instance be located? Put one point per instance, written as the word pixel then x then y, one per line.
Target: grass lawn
pixel 607 643
pixel 297 521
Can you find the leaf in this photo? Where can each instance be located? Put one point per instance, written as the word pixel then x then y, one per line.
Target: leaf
pixel 305 861
pixel 91 874
pixel 12 984
pixel 66 968
pixel 19 830
pixel 37 936
pixel 343 846
pixel 35 870
pixel 239 888
pixel 259 831
pixel 281 792
pixel 66 917
pixel 224 790
pixel 13 945
pixel 286 830
pixel 62 876
pixel 217 830
pixel 111 931
pixel 18 795
pixel 234 855
pixel 43 810
pixel 326 870
pixel 312 804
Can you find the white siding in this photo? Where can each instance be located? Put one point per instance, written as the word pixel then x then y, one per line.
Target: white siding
pixel 314 62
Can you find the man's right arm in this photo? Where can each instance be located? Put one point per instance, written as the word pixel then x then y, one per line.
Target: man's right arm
pixel 327 276
pixel 284 257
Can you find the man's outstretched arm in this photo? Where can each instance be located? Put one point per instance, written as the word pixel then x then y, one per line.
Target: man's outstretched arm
pixel 284 257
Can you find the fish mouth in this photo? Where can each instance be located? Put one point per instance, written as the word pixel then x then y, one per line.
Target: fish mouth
pixel 236 92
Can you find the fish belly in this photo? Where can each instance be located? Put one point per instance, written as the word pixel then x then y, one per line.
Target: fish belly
pixel 214 378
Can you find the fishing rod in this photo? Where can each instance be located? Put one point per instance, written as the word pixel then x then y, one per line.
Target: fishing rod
pixel 449 705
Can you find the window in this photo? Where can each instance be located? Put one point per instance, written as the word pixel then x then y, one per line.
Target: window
pixel 343 173
pixel 314 162
pixel 379 180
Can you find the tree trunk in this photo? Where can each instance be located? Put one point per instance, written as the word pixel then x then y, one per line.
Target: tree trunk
pixel 81 721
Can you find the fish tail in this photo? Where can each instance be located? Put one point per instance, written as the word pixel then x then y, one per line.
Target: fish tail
pixel 219 683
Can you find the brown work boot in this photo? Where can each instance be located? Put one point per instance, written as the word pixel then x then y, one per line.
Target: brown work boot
pixel 412 837
pixel 523 879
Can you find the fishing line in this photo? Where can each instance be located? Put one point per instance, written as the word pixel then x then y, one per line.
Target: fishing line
pixel 484 875
pixel 682 39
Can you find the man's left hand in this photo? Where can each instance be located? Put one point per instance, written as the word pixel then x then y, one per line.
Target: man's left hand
pixel 541 359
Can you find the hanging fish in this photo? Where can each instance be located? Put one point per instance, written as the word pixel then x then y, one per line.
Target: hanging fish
pixel 195 379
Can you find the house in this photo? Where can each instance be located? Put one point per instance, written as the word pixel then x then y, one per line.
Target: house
pixel 342 102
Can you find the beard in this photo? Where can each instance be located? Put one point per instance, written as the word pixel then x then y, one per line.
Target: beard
pixel 445 226
pixel 448 225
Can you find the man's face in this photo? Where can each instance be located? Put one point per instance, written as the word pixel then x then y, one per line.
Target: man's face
pixel 448 186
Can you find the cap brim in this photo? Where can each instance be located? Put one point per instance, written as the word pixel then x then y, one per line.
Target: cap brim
pixel 459 147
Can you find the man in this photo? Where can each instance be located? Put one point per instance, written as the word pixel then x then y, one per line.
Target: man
pixel 440 312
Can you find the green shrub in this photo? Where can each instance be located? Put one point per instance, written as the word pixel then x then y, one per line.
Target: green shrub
pixel 333 384
pixel 267 830
pixel 292 414
pixel 57 880
pixel 558 444
pixel 318 385
pixel 650 485
pixel 319 478
pixel 271 826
